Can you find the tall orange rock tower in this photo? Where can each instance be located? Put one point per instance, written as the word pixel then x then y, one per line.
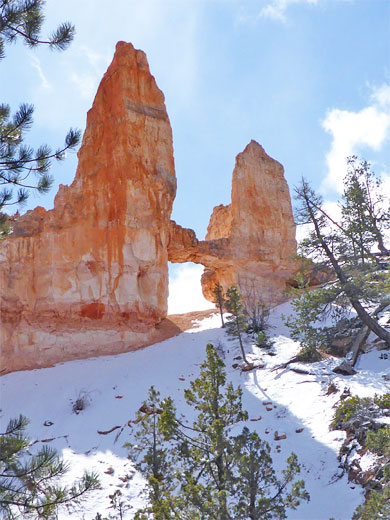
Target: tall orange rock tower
pixel 90 276
pixel 260 227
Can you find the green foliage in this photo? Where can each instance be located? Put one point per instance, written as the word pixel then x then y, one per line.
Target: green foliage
pixel 313 306
pixel 362 410
pixel 263 340
pixel 383 401
pixel 118 504
pixel 5 227
pixel 23 19
pixel 254 470
pixel 379 442
pixel 370 285
pixel 377 506
pixel 151 455
pixel 306 270
pixel 310 307
pixel 350 409
pixel 203 471
pixel 365 212
pixel 29 485
pixel 237 321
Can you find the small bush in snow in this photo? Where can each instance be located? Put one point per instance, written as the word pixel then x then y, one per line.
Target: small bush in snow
pixel 379 442
pixel 263 340
pixel 350 410
pixel 361 417
pixel 81 402
pixel 237 321
pixel 383 401
pixel 256 309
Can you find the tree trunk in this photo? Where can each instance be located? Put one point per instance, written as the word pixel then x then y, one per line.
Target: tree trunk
pixel 365 317
pixel 380 243
pixel 221 311
pixel 240 341
pixel 358 343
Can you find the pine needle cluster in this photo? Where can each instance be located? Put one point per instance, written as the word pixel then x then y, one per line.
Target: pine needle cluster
pixel 23 168
pixel 29 482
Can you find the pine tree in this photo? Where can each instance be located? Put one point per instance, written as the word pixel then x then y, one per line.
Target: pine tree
pixel 22 167
pixel 309 305
pixel 329 242
pixel 29 485
pixel 365 210
pixel 212 473
pixel 237 321
pixel 219 407
pixel 153 459
pixel 219 299
pixel 255 502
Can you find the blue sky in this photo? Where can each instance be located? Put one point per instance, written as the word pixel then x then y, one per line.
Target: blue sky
pixel 307 79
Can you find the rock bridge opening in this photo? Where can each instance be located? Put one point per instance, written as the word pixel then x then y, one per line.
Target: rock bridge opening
pixel 253 237
pixel 185 289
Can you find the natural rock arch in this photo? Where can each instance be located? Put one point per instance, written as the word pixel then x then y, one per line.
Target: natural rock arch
pixel 253 237
pixel 90 277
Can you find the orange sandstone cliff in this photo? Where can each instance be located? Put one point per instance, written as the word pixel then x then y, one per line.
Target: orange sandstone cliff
pixel 90 276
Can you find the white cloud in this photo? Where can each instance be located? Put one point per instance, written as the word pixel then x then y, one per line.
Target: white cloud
pixel 185 291
pixel 351 131
pixel 36 64
pixel 276 9
pixel 302 232
pixel 87 80
pixel 332 209
pixel 381 96
pixel 86 84
pixel 95 59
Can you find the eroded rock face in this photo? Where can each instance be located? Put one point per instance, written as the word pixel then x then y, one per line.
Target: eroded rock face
pixel 220 225
pixel 250 242
pixel 90 276
pixel 262 220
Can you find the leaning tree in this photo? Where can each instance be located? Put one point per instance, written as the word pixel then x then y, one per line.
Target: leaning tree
pixel 345 246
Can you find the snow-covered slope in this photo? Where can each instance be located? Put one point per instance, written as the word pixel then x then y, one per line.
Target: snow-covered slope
pixel 114 387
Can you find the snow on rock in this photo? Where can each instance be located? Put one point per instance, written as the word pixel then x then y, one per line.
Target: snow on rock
pixel 279 403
